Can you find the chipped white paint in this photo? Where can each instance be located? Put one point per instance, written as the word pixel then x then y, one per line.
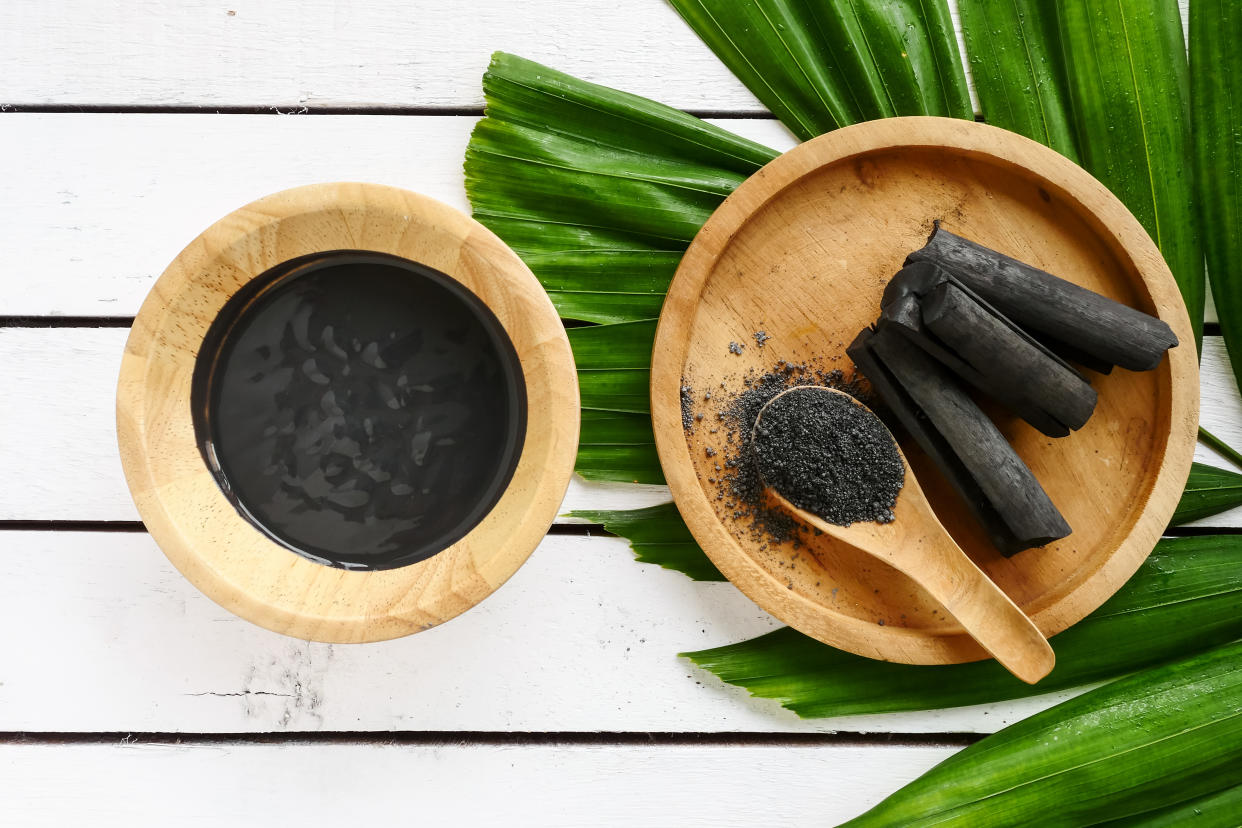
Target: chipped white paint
pixel 582 638
pixel 62 382
pixel 195 786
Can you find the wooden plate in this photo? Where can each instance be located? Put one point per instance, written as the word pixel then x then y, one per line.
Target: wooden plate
pixel 803 249
pixel 201 531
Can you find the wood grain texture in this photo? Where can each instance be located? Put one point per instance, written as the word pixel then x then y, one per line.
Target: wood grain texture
pixel 202 532
pixel 61 382
pixel 453 784
pixel 803 250
pixel 581 639
pixel 106 204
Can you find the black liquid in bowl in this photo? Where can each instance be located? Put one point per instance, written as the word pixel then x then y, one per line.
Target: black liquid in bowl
pixel 363 410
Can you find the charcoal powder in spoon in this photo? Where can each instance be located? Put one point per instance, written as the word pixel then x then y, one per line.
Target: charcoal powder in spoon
pixel 828 455
pixel 734 409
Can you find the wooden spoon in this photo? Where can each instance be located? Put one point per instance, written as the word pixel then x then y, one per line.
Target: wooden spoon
pixel 916 544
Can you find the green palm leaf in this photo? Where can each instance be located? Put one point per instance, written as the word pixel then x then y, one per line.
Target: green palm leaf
pixel 1209 491
pixel 823 64
pixel 1185 598
pixel 613 390
pixel 600 193
pixel 1162 736
pixel 520 91
pixel 619 463
pixel 1014 48
pixel 1216 111
pixel 637 281
pixel 1220 446
pixel 568 181
pixel 626 345
pixel 1130 90
pixel 614 366
pixel 1215 810
pixel 615 445
pixel 618 446
pixel 659 536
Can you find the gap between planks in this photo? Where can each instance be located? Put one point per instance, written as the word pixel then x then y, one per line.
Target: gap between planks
pixel 125 322
pixel 584 530
pixel 589 530
pixel 1209 328
pixel 406 111
pixel 500 738
pixel 409 111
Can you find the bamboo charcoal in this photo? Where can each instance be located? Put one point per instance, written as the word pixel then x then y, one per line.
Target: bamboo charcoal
pixel 1071 354
pixel 1009 365
pixel 992 354
pixel 915 279
pixel 920 279
pixel 963 443
pixel 1049 306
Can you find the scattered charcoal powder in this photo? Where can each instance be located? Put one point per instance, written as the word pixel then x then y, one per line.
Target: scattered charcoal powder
pixel 829 456
pixel 687 407
pixel 739 489
pixel 761 338
pixel 735 348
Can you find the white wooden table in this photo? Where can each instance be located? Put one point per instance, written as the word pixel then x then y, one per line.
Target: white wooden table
pixel 126 697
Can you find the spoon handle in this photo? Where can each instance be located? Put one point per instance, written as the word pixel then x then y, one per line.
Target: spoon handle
pixel 989 616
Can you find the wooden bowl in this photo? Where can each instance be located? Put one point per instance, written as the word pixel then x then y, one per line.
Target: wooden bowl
pixel 226 556
pixel 803 249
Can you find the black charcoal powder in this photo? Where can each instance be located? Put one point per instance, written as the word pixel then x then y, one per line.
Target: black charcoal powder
pixel 739 489
pixel 830 456
pixel 687 407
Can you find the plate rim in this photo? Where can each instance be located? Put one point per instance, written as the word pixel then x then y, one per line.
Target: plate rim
pixel 673 335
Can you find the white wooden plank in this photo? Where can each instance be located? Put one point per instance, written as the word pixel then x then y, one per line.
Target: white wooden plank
pixel 60 395
pixel 295 53
pixel 582 638
pixel 57 422
pixel 1220 412
pixel 57 429
pixel 323 53
pixel 132 786
pixel 107 201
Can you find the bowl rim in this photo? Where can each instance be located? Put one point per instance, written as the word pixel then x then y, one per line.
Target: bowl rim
pixel 202 533
pixel 674 331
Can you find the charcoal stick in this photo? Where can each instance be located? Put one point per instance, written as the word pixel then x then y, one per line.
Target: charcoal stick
pixel 1072 354
pixel 1006 364
pixel 967 448
pixel 937 312
pixel 1045 304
